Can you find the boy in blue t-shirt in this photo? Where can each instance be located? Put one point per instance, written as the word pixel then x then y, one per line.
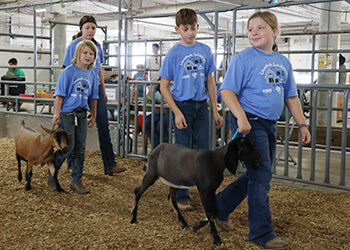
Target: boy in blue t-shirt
pixel 190 65
pixel 76 92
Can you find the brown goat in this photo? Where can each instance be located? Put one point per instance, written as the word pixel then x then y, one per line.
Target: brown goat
pixel 34 149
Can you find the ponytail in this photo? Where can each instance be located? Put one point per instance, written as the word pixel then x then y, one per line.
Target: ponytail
pixel 275 47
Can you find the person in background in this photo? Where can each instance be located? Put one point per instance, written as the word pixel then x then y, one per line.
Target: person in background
pixel 141 75
pixel 14 71
pixel 157 121
pixel 153 63
pixel 76 93
pixel 190 64
pixel 255 91
pixel 341 81
pixel 88 27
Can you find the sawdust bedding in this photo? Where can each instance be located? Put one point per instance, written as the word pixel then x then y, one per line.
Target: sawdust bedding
pixel 44 219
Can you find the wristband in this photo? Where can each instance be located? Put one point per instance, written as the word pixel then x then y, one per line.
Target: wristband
pixel 303 125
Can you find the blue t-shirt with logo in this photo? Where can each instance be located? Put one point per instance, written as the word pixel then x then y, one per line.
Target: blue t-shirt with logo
pixel 261 82
pixel 68 57
pixel 189 67
pixel 77 87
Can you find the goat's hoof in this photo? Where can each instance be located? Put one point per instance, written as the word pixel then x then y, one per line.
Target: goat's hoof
pixel 60 190
pixel 28 188
pixel 133 221
pixel 185 227
pixel 217 242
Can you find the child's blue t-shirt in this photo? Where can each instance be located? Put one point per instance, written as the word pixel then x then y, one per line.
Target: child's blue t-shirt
pixel 68 57
pixel 77 87
pixel 189 67
pixel 261 82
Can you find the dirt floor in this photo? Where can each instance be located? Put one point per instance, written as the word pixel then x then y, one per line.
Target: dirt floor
pixel 44 219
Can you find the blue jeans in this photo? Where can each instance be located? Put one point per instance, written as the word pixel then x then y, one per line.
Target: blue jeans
pixel 76 142
pixel 104 137
pixel 157 131
pixel 196 135
pixel 254 184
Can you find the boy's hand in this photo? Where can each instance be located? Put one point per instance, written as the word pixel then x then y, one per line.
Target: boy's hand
pixel 218 120
pixel 244 125
pixel 305 136
pixel 56 119
pixel 180 121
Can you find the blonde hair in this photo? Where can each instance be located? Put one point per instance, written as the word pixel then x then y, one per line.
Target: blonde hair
pixel 80 47
pixel 270 19
pixel 186 16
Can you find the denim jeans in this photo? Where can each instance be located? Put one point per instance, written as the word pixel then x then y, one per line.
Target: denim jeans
pixel 75 123
pixel 104 137
pixel 196 135
pixel 254 184
pixel 157 131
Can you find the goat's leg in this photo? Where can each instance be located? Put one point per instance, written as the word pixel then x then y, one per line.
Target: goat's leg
pixel 172 194
pixel 147 181
pixel 201 224
pixel 214 233
pixel 208 199
pixel 29 174
pixel 58 186
pixel 19 176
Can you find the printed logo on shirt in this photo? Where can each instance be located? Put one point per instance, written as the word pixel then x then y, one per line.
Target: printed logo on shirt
pixel 81 87
pixel 193 63
pixel 274 74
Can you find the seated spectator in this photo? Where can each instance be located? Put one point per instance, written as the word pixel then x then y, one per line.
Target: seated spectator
pixel 141 75
pixel 157 124
pixel 14 71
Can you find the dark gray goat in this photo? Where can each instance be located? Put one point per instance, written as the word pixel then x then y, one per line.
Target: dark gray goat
pixel 183 167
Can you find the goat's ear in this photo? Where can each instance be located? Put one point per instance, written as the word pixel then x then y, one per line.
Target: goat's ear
pixel 231 156
pixel 47 130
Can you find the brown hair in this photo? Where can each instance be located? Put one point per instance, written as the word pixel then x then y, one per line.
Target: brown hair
pixel 270 19
pixel 80 47
pixel 84 20
pixel 186 16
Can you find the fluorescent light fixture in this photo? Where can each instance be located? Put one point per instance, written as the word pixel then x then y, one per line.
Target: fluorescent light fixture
pixel 40 10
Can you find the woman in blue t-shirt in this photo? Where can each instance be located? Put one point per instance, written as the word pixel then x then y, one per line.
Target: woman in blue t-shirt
pixel 88 27
pixel 257 85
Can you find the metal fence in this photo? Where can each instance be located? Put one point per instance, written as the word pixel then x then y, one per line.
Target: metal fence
pixel 323 162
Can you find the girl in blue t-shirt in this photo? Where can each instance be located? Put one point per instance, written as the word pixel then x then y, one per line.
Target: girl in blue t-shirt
pixel 88 28
pixel 76 92
pixel 257 84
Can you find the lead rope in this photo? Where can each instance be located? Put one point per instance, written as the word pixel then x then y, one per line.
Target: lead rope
pixel 236 133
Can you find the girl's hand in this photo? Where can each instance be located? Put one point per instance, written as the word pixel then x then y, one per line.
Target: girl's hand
pixel 91 120
pixel 56 119
pixel 106 98
pixel 180 121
